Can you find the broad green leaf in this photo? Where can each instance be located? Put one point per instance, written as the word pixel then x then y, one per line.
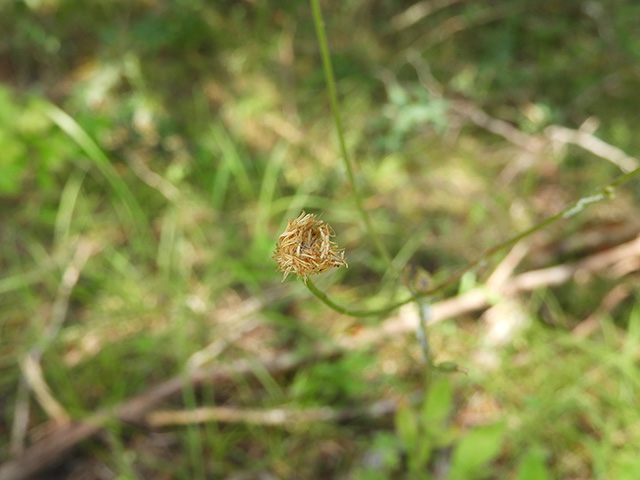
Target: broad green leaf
pixel 407 426
pixel 533 466
pixel 626 465
pixel 475 451
pixel 420 455
pixel 437 405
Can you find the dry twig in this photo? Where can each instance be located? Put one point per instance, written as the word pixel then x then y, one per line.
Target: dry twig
pixel 417 12
pixel 593 144
pixel 53 448
pixel 609 302
pixel 554 136
pixel 287 417
pixel 32 376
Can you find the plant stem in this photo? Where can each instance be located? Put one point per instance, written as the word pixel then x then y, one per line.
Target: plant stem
pixel 602 193
pixel 419 296
pixel 331 87
pixel 335 110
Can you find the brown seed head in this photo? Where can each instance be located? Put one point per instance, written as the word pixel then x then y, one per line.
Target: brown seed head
pixel 305 248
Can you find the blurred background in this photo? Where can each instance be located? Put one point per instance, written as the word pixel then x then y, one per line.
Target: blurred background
pixel 151 153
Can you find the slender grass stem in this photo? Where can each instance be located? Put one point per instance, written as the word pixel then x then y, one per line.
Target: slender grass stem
pixel 334 306
pixel 384 253
pixel 602 193
pixel 419 296
pixel 335 109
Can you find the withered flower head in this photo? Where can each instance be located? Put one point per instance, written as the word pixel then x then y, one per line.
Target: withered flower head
pixel 305 248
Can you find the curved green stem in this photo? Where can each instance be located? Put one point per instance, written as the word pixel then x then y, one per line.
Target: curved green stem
pixel 415 296
pixel 339 308
pixel 603 193
pixel 384 253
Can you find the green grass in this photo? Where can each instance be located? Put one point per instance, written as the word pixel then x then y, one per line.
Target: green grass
pixel 178 138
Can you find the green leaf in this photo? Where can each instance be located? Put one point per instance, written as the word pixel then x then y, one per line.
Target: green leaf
pixel 476 449
pixel 467 282
pixel 407 426
pixel 13 163
pixel 385 445
pixel 633 333
pixel 437 405
pixel 450 367
pixel 626 466
pixel 420 455
pixel 533 466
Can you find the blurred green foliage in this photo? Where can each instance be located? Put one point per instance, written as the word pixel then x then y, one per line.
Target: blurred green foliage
pixel 32 151
pixel 333 383
pixel 179 136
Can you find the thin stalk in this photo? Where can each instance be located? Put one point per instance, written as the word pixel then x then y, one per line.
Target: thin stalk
pixel 334 306
pixel 602 193
pixel 331 87
pixel 416 296
pixel 335 110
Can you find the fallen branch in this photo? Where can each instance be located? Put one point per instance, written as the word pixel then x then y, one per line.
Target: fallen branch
pixel 593 144
pixel 553 135
pixel 417 12
pixel 32 376
pixel 51 450
pixel 609 302
pixel 287 417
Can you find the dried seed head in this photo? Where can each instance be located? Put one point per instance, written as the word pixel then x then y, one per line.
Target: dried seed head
pixel 305 248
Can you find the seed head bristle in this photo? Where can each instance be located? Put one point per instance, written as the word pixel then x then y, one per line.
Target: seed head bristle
pixel 305 248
